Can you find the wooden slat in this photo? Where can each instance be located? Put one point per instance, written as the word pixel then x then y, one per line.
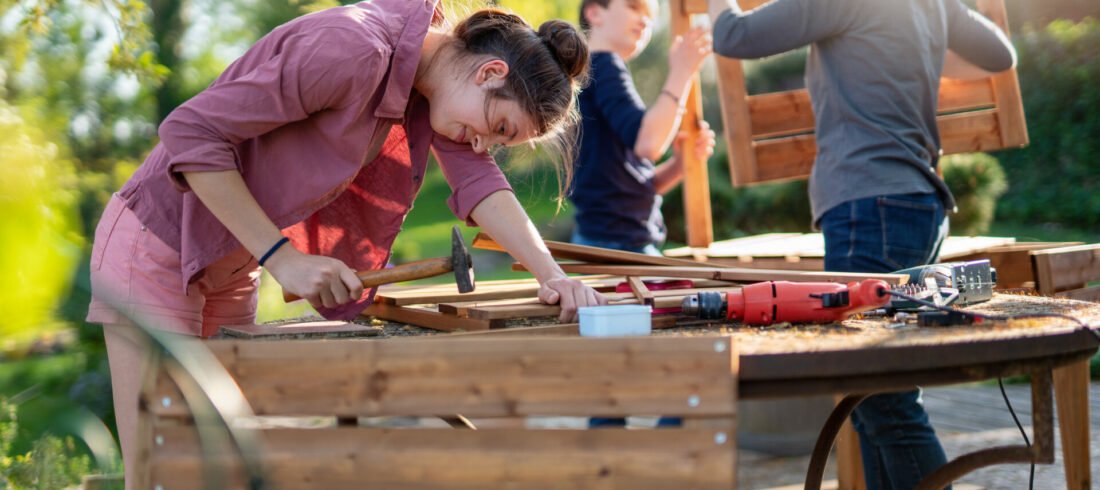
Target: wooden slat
pixel 445 459
pixel 1082 294
pixel 1006 86
pixel 491 377
pixel 428 318
pixel 727 274
pixel 790 112
pixel 559 330
pixel 696 183
pixel 733 97
pixel 1012 262
pixel 700 6
pixel 1058 269
pixel 786 158
pixel 792 157
pixel 533 308
pixel 485 291
pixel 572 251
pixel 969 132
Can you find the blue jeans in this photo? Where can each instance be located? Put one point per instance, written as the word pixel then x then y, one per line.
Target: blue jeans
pixel 649 249
pixel 885 234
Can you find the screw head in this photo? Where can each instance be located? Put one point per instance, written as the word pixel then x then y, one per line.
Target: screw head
pixel 720 438
pixel 158 487
pixel 159 439
pixel 166 402
pixel 693 401
pixel 719 346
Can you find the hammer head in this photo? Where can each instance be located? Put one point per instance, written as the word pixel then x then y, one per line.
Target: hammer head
pixel 460 259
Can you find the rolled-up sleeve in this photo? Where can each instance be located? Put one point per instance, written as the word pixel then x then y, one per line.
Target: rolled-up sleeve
pixel 472 176
pixel 309 73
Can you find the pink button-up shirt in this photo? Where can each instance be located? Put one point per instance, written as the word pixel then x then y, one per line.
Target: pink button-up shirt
pixel 300 115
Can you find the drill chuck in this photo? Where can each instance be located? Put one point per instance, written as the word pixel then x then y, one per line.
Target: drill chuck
pixel 706 305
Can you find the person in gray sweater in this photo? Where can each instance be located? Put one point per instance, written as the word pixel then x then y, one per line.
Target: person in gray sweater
pixel 873 74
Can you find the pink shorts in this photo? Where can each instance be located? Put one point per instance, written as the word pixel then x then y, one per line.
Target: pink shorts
pixel 137 277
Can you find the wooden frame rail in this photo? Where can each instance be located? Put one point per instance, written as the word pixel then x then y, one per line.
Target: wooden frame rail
pixel 695 378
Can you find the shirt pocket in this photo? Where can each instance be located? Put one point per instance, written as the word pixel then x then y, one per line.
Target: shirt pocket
pixel 108 222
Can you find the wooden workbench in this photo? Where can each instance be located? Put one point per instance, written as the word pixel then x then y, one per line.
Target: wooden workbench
pixel 854 358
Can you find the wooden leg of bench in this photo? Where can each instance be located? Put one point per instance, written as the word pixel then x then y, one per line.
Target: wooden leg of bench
pixel 1071 393
pixel 849 463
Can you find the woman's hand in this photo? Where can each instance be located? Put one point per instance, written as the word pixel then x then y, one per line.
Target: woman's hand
pixel 323 281
pixel 570 294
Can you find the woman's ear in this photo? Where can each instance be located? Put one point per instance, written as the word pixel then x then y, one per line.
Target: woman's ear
pixel 492 72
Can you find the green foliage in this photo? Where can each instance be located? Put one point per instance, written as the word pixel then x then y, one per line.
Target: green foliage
pixel 977 181
pixel 52 463
pixel 1057 177
pixel 39 232
pixel 132 52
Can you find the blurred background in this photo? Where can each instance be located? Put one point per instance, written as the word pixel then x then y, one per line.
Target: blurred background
pixel 84 84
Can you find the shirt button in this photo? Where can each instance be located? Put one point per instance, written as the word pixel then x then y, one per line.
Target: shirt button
pixel 416 178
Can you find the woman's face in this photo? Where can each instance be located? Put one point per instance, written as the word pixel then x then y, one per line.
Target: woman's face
pixel 460 113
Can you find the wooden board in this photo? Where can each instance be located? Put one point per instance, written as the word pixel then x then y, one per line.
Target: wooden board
pixel 449 459
pixel 326 329
pixel 492 377
pixel 725 274
pixel 572 251
pixel 485 290
pixel 1059 269
pixel 532 307
pixel 427 318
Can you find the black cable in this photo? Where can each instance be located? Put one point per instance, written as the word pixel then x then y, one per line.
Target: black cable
pixel 985 316
pixel 1031 478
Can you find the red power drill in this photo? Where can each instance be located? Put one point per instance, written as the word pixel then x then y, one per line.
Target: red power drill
pixel 769 302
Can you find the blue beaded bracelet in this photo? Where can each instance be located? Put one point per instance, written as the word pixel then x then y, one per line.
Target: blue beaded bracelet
pixel 272 250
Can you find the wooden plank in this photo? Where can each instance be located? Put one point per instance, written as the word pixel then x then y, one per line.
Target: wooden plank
pixel 696 183
pixel 534 308
pixel 490 377
pixel 446 459
pixel 1006 86
pixel 486 291
pixel 790 112
pixel 718 249
pixel 572 251
pixel 1071 391
pixel 969 132
pixel 733 96
pixel 327 329
pixel 792 157
pixel 428 318
pixel 560 330
pixel 1062 268
pixel 640 291
pixel 727 274
pixel 1082 294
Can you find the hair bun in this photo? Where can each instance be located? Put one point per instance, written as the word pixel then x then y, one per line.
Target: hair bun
pixel 567 46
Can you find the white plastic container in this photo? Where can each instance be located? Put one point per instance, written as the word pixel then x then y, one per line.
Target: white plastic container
pixel 615 320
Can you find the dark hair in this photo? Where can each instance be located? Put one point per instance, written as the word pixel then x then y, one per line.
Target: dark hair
pixel 584 4
pixel 546 69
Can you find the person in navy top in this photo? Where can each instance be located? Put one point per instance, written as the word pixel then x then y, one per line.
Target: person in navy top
pixel 617 187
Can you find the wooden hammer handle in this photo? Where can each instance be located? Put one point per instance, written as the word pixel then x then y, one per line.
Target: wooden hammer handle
pixel 404 272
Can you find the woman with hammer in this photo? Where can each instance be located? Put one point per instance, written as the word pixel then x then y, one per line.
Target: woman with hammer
pixel 304 157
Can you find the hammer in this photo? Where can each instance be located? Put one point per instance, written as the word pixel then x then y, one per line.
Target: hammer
pixel 459 262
